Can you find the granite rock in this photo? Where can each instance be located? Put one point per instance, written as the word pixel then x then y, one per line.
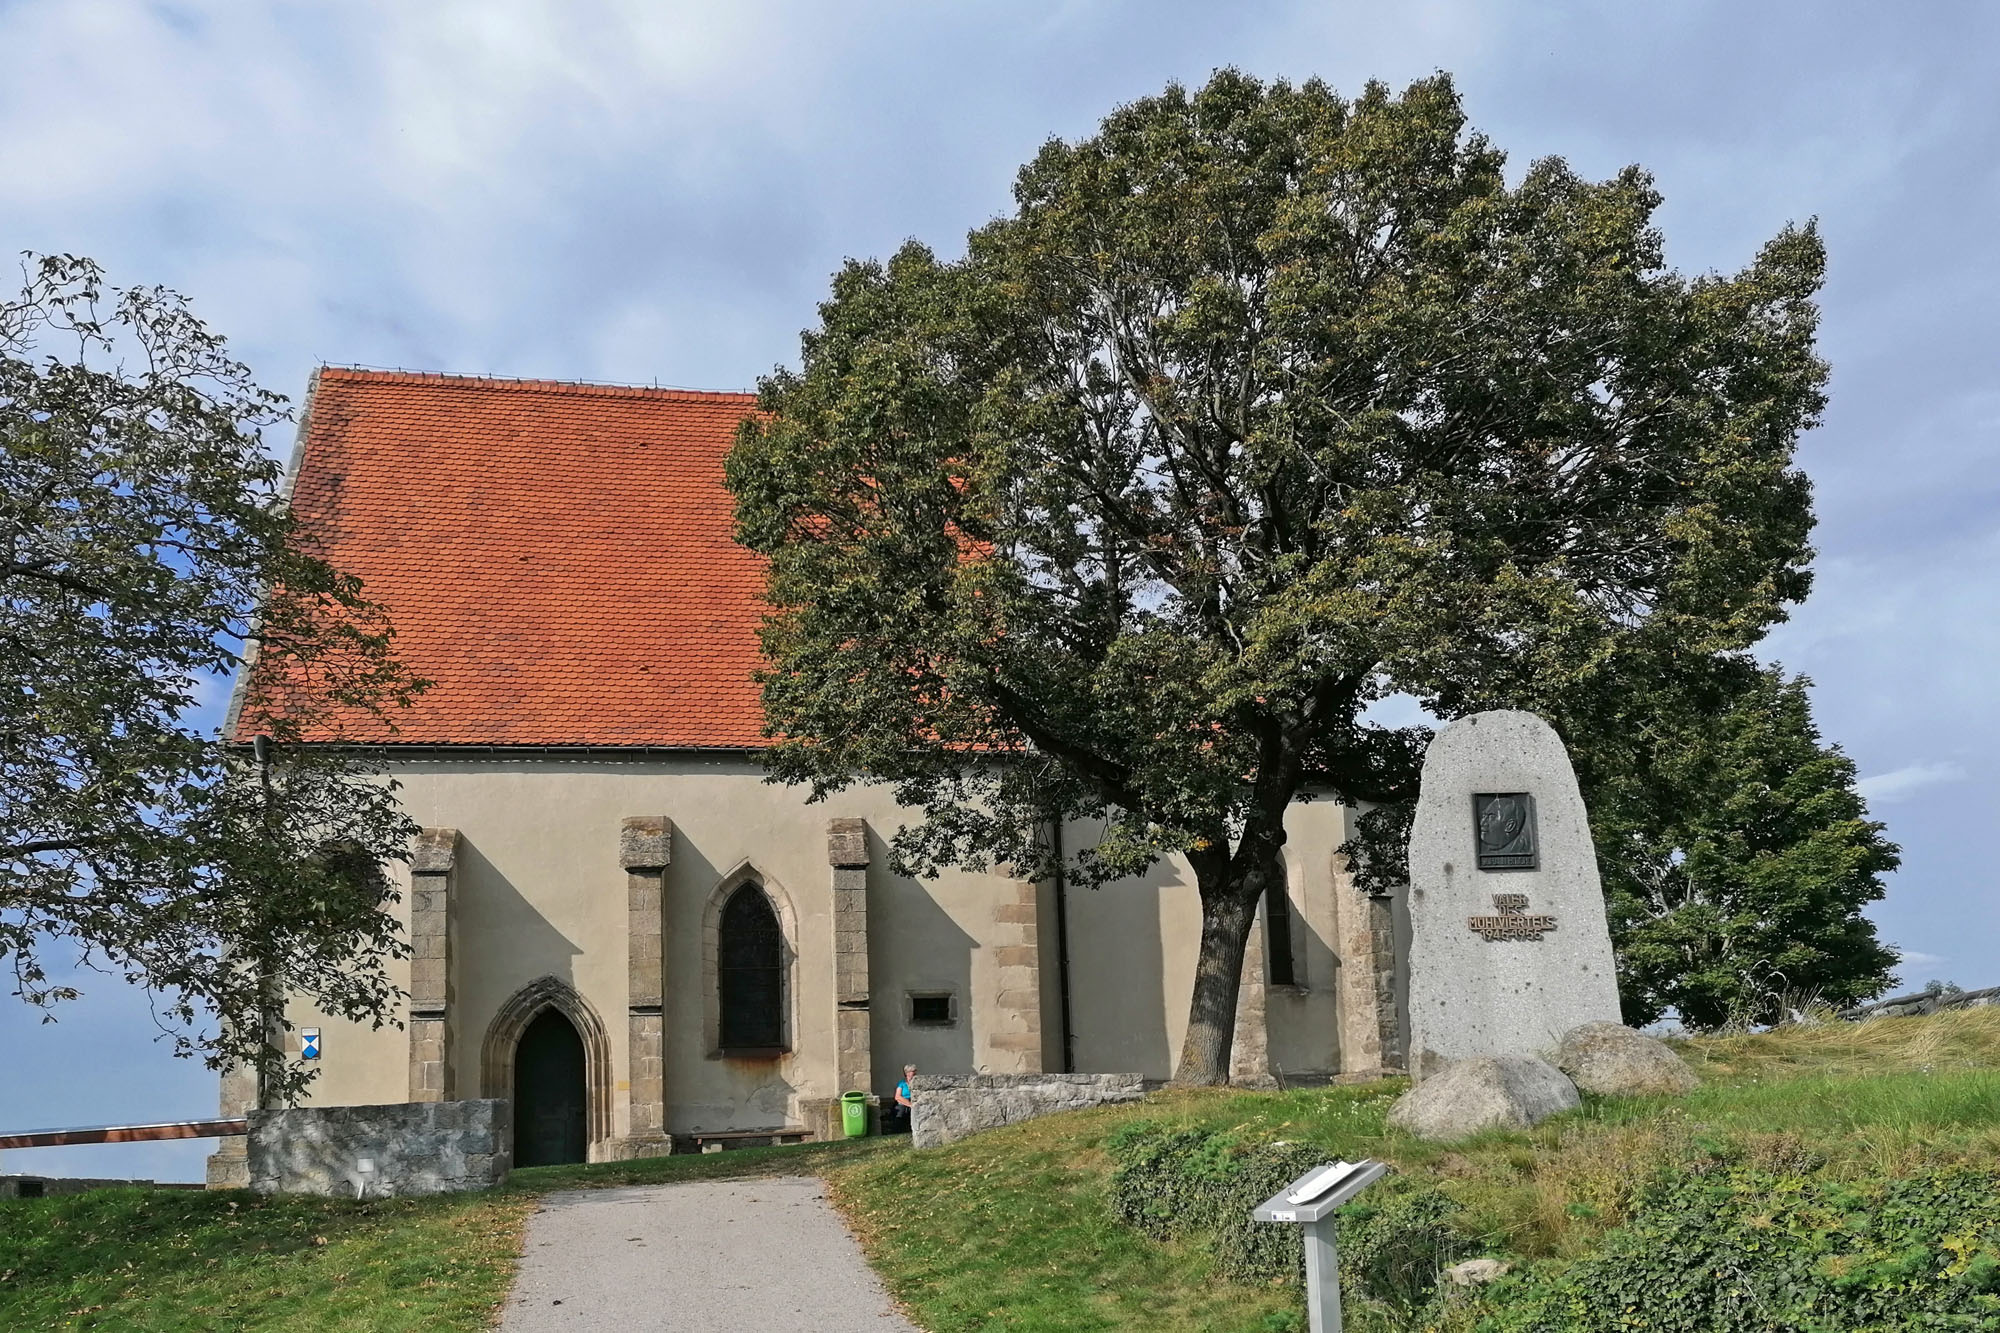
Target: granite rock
pixel 1509 943
pixel 1485 1092
pixel 1476 1272
pixel 1612 1060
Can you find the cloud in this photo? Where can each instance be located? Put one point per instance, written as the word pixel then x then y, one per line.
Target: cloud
pixel 1399 710
pixel 1914 968
pixel 1900 783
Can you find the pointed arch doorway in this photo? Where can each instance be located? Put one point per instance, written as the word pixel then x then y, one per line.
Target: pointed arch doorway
pixel 547 1053
pixel 550 1100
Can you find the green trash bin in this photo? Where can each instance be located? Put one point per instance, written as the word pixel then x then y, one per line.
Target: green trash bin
pixel 854 1114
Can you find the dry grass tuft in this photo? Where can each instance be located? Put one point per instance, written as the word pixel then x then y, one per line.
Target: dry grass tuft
pixel 1955 1039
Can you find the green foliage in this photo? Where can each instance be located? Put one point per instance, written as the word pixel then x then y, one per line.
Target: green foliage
pixel 145 547
pixel 1197 1183
pixel 1748 1252
pixel 1180 1183
pixel 1737 854
pixel 1394 1250
pixel 1261 405
pixel 1379 851
pixel 1165 1179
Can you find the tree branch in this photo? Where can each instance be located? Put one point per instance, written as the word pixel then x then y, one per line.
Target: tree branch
pixel 41 570
pixel 17 850
pixel 1113 780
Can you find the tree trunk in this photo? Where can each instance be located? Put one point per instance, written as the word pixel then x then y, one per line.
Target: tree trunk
pixel 1231 888
pixel 1218 979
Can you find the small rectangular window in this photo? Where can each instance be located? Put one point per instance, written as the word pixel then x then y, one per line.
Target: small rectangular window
pixel 933 1010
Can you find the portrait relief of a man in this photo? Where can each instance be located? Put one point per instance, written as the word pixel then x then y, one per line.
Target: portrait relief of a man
pixel 1506 823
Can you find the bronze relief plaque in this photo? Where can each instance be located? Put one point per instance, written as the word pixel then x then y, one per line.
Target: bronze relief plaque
pixel 1504 825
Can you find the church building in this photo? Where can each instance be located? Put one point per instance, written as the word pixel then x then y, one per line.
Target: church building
pixel 615 921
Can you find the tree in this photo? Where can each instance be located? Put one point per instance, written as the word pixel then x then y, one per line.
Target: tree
pixel 1737 854
pixel 1261 405
pixel 146 550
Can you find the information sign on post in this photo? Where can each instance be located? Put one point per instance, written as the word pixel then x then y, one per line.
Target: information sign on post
pixel 1310 1202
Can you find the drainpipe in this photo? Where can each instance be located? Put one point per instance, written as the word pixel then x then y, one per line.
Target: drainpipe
pixel 1062 945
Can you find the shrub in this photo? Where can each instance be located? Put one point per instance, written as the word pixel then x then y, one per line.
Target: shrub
pixel 1199 1183
pixel 1202 1184
pixel 1174 1182
pixel 1746 1251
pixel 1394 1250
pixel 1248 1251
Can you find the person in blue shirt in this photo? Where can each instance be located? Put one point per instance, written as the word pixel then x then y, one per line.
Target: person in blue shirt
pixel 897 1118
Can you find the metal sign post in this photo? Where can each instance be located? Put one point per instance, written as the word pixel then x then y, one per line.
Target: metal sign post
pixel 1310 1201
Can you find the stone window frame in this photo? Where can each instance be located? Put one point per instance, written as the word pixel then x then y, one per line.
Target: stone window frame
pixel 945 993
pixel 503 1039
pixel 748 872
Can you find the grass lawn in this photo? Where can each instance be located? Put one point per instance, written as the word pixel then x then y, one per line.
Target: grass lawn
pixel 173 1261
pixel 177 1261
pixel 1011 1229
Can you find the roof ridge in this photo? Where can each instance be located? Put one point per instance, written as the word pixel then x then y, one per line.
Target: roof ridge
pixel 398 375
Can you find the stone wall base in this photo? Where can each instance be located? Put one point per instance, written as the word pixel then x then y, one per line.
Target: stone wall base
pixel 229 1164
pixel 951 1106
pixel 637 1146
pixel 375 1151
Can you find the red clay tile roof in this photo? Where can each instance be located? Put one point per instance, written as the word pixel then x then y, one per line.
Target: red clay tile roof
pixel 555 557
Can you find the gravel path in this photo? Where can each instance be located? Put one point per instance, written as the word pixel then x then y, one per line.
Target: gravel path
pixel 726 1256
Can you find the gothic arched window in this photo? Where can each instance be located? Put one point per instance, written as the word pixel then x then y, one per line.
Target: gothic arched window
pixel 750 973
pixel 1280 962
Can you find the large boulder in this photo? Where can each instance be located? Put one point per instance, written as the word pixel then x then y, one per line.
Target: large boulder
pixel 1614 1061
pixel 1485 1092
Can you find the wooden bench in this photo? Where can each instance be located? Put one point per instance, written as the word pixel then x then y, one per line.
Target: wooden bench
pixel 721 1140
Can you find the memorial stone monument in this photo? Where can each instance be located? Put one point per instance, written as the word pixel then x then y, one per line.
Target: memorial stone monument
pixel 1509 946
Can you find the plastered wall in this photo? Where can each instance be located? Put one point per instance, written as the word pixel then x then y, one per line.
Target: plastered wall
pixel 539 892
pixel 1133 948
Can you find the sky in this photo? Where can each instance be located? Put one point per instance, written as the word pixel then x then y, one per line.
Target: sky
pixel 656 192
